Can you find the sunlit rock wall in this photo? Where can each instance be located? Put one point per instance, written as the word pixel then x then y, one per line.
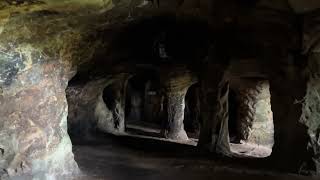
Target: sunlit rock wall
pixel 39 48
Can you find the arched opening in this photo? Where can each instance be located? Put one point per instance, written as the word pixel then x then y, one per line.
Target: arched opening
pixel 192 112
pixel 251 128
pixel 145 109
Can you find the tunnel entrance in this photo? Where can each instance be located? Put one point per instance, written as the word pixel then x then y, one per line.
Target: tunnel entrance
pixel 192 112
pixel 144 105
pixel 146 108
pixel 251 128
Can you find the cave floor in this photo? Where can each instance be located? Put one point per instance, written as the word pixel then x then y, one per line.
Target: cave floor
pixel 149 130
pixel 135 158
pixel 250 150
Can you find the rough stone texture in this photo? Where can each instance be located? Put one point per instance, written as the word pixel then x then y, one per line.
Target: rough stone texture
pixel 214 108
pixel 35 66
pixel 310 114
pixel 175 127
pixel 66 34
pixel 310 109
pixel 221 136
pixel 33 110
pixel 84 102
pixel 89 110
pixel 115 103
pixel 255 121
pixel 176 82
pixel 287 86
pixel 34 34
pixel 214 133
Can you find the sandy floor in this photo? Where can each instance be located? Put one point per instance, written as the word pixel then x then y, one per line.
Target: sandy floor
pixel 242 149
pixel 250 150
pixel 135 158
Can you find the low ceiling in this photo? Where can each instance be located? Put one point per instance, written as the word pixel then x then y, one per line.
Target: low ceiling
pixel 299 6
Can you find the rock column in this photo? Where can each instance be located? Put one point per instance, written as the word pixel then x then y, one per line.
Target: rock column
pixel 176 104
pixel 255 121
pixel 176 83
pixel 214 109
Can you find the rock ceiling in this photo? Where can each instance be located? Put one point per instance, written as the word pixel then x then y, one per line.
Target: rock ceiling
pixel 299 6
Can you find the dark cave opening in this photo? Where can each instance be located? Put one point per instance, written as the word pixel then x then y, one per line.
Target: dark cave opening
pixel 145 108
pixel 192 111
pixel 140 103
pixel 108 97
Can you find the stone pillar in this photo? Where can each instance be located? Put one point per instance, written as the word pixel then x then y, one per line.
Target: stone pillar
pixel 214 109
pixel 176 82
pixel 287 88
pixel 176 104
pixel 221 131
pixel 255 120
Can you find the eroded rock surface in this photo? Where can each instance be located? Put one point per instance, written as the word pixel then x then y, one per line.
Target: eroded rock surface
pixel 176 82
pixel 34 137
pixel 310 115
pixel 255 123
pixel 35 66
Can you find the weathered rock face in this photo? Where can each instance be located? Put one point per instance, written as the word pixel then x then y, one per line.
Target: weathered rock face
pixel 64 34
pixel 85 101
pixel 176 82
pixel 175 127
pixel 288 132
pixel 255 121
pixel 310 113
pixel 214 108
pixel 34 139
pixel 114 96
pixel 97 104
pixel 35 67
pixel 310 102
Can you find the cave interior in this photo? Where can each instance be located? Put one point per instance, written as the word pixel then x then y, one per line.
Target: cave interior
pixel 143 89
